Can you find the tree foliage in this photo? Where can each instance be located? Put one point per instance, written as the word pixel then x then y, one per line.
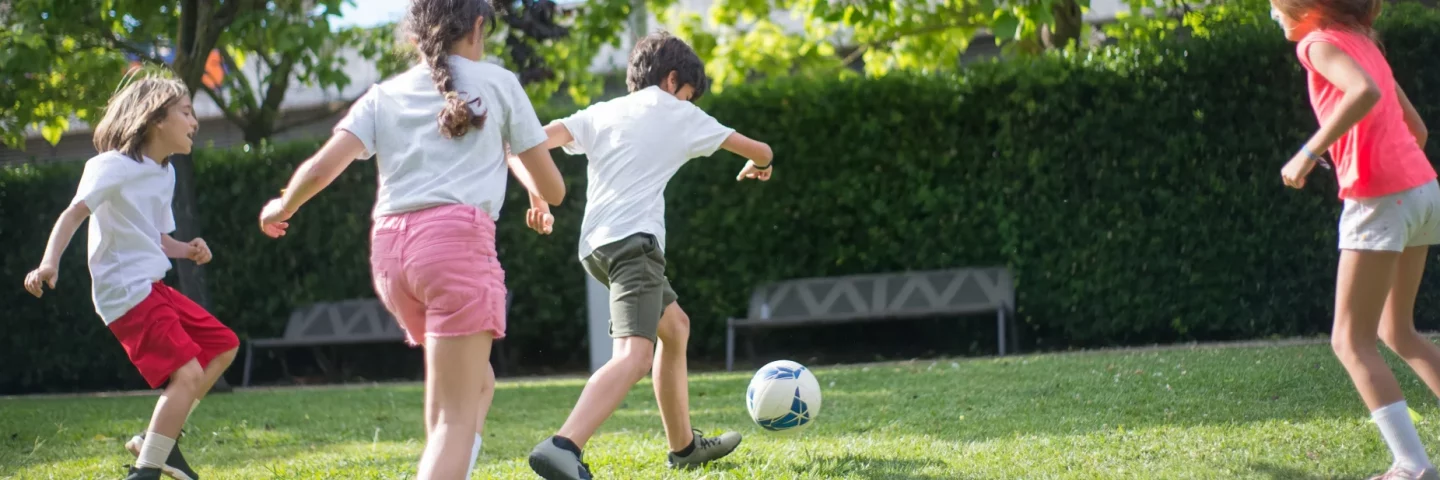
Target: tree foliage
pixel 61 59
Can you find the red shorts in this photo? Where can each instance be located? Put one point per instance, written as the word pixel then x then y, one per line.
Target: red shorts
pixel 166 331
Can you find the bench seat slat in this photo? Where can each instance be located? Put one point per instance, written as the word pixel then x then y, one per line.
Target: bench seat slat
pixel 317 341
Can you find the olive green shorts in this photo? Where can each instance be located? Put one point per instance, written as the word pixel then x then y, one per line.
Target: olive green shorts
pixel 633 268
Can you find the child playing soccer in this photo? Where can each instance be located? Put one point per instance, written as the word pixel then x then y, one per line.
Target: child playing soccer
pixel 635 144
pixel 442 183
pixel 126 192
pixel 1391 214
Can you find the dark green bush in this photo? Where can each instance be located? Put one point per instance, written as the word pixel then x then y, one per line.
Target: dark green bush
pixel 1135 192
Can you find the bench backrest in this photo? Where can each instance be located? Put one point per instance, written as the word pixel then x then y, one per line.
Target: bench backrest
pixel 935 292
pixel 346 320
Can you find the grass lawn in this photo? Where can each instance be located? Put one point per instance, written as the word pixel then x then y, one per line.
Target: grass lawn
pixel 1249 413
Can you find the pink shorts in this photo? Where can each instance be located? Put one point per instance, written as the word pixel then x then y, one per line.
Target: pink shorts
pixel 436 271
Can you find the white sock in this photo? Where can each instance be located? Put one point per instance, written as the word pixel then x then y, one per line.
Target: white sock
pixel 155 450
pixel 474 455
pixel 1399 433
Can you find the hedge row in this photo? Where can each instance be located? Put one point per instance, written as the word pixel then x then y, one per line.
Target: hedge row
pixel 1135 193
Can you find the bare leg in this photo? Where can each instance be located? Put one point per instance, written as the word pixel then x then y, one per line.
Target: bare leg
pixel 672 382
pixel 607 388
pixel 1397 325
pixel 454 384
pixel 174 405
pixel 1362 285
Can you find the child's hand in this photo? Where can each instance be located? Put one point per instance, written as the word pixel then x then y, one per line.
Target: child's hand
pixel 538 217
pixel 273 219
pixel 199 252
pixel 752 172
pixel 1296 170
pixel 37 278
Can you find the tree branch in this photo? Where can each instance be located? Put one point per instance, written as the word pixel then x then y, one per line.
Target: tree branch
pixel 242 82
pixel 117 43
pixel 322 114
pixel 228 12
pixel 225 108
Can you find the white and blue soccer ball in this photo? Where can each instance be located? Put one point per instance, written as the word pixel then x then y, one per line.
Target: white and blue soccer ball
pixel 784 396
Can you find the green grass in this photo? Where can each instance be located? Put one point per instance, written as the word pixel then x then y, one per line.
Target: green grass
pixel 1247 413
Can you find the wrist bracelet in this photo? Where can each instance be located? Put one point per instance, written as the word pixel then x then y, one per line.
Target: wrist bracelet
pixel 766 167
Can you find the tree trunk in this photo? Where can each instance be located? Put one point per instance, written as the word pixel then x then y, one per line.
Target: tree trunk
pixel 200 24
pixel 1069 24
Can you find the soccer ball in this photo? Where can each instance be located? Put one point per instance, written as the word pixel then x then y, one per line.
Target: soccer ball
pixel 783 397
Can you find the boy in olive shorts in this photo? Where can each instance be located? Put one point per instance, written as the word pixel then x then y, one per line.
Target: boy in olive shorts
pixel 635 144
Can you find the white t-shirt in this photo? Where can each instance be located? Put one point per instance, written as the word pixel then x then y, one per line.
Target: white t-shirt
pixel 418 168
pixel 635 144
pixel 129 204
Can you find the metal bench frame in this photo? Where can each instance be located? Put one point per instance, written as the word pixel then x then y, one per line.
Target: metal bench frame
pixel 346 322
pixel 875 297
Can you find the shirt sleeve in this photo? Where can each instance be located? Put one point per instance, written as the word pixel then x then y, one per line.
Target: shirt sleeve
pixel 165 218
pixel 361 121
pixel 100 182
pixel 522 130
pixel 582 131
pixel 706 133
pixel 1302 48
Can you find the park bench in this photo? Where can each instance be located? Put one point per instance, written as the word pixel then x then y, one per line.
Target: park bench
pixel 346 322
pixel 863 298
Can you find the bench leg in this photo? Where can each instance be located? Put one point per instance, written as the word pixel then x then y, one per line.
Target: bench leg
pixel 499 353
pixel 750 348
pixel 249 355
pixel 1000 327
pixel 729 347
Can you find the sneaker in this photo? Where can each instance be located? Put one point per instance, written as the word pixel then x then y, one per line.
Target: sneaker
pixel 554 463
pixel 143 474
pixel 1398 473
pixel 706 450
pixel 175 465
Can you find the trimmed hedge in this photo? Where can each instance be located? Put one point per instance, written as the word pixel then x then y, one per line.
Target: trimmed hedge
pixel 1134 191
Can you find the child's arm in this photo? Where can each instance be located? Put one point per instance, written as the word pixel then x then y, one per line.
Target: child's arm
pixel 196 250
pixel 758 153
pixel 538 217
pixel 1412 118
pixel 1361 95
pixel 313 176
pixel 556 135
pixel 49 270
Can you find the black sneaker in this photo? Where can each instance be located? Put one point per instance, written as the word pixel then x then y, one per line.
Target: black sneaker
pixel 554 463
pixel 143 474
pixel 175 465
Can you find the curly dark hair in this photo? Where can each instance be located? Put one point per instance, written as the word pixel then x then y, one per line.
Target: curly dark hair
pixel 660 53
pixel 436 25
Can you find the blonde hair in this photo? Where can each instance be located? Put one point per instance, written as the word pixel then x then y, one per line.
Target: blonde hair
pixel 130 113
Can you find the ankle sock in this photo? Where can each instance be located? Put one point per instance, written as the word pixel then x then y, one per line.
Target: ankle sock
pixel 1400 435
pixel 566 444
pixel 685 452
pixel 155 450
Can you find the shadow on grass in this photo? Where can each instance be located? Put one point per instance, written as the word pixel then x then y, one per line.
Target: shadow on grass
pixel 1276 472
pixel 865 466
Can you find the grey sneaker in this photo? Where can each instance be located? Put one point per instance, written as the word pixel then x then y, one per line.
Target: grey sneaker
pixel 706 450
pixel 1398 473
pixel 175 465
pixel 552 462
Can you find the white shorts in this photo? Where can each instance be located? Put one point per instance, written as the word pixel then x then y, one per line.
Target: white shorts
pixel 1393 222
